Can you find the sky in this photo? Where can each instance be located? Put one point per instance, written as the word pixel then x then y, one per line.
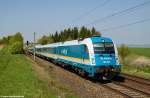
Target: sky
pixel 48 16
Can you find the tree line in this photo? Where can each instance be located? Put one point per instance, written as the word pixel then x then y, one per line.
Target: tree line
pixel 68 34
pixel 14 44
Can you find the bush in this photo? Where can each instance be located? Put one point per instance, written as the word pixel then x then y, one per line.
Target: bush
pixel 16 48
pixel 13 44
pixel 123 52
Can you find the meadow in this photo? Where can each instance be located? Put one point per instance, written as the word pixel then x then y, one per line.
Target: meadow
pixel 21 76
pixel 17 78
pixel 138 62
pixel 141 51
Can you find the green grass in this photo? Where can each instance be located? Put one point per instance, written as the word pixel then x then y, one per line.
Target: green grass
pixel 140 51
pixel 17 78
pixel 129 68
pixel 20 76
pixel 138 71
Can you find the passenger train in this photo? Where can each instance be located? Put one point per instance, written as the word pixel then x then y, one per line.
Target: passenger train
pixel 94 56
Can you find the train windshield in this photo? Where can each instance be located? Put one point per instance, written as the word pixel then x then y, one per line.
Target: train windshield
pixel 104 48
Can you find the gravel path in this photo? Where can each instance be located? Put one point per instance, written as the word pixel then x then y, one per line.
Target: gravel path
pixel 82 87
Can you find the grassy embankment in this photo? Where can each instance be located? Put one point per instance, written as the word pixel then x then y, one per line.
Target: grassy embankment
pixel 17 78
pixel 138 62
pixel 20 76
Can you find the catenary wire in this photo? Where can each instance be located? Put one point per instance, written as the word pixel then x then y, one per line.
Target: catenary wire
pixel 126 25
pixel 117 13
pixel 90 11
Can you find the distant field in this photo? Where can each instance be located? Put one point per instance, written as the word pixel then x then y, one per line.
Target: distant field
pixel 141 51
pixel 137 62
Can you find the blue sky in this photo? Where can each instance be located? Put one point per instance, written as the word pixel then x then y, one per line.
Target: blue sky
pixel 47 16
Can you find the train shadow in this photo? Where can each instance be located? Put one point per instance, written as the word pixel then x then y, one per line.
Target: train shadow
pixel 119 79
pixel 105 81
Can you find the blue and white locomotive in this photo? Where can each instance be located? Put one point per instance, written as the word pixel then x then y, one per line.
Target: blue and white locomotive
pixel 93 56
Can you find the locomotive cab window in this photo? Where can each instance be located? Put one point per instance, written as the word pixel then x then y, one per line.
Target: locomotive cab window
pixel 104 48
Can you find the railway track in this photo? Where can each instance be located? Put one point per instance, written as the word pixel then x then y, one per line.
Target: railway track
pixel 125 91
pixel 137 79
pixel 131 87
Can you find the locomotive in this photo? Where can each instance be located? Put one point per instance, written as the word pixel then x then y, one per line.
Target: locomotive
pixel 94 56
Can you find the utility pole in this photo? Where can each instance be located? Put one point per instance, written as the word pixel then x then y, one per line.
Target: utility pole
pixel 34 46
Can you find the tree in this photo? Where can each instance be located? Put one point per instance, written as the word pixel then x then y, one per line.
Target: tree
pixel 82 32
pixel 97 33
pixel 56 37
pixel 44 40
pixel 69 34
pixel 93 31
pixel 17 37
pixel 15 48
pixel 1 41
pixel 13 44
pixel 50 38
pixel 76 33
pixel 89 33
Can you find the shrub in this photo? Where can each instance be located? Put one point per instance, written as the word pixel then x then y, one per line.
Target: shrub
pixel 16 48
pixel 123 52
pixel 13 44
